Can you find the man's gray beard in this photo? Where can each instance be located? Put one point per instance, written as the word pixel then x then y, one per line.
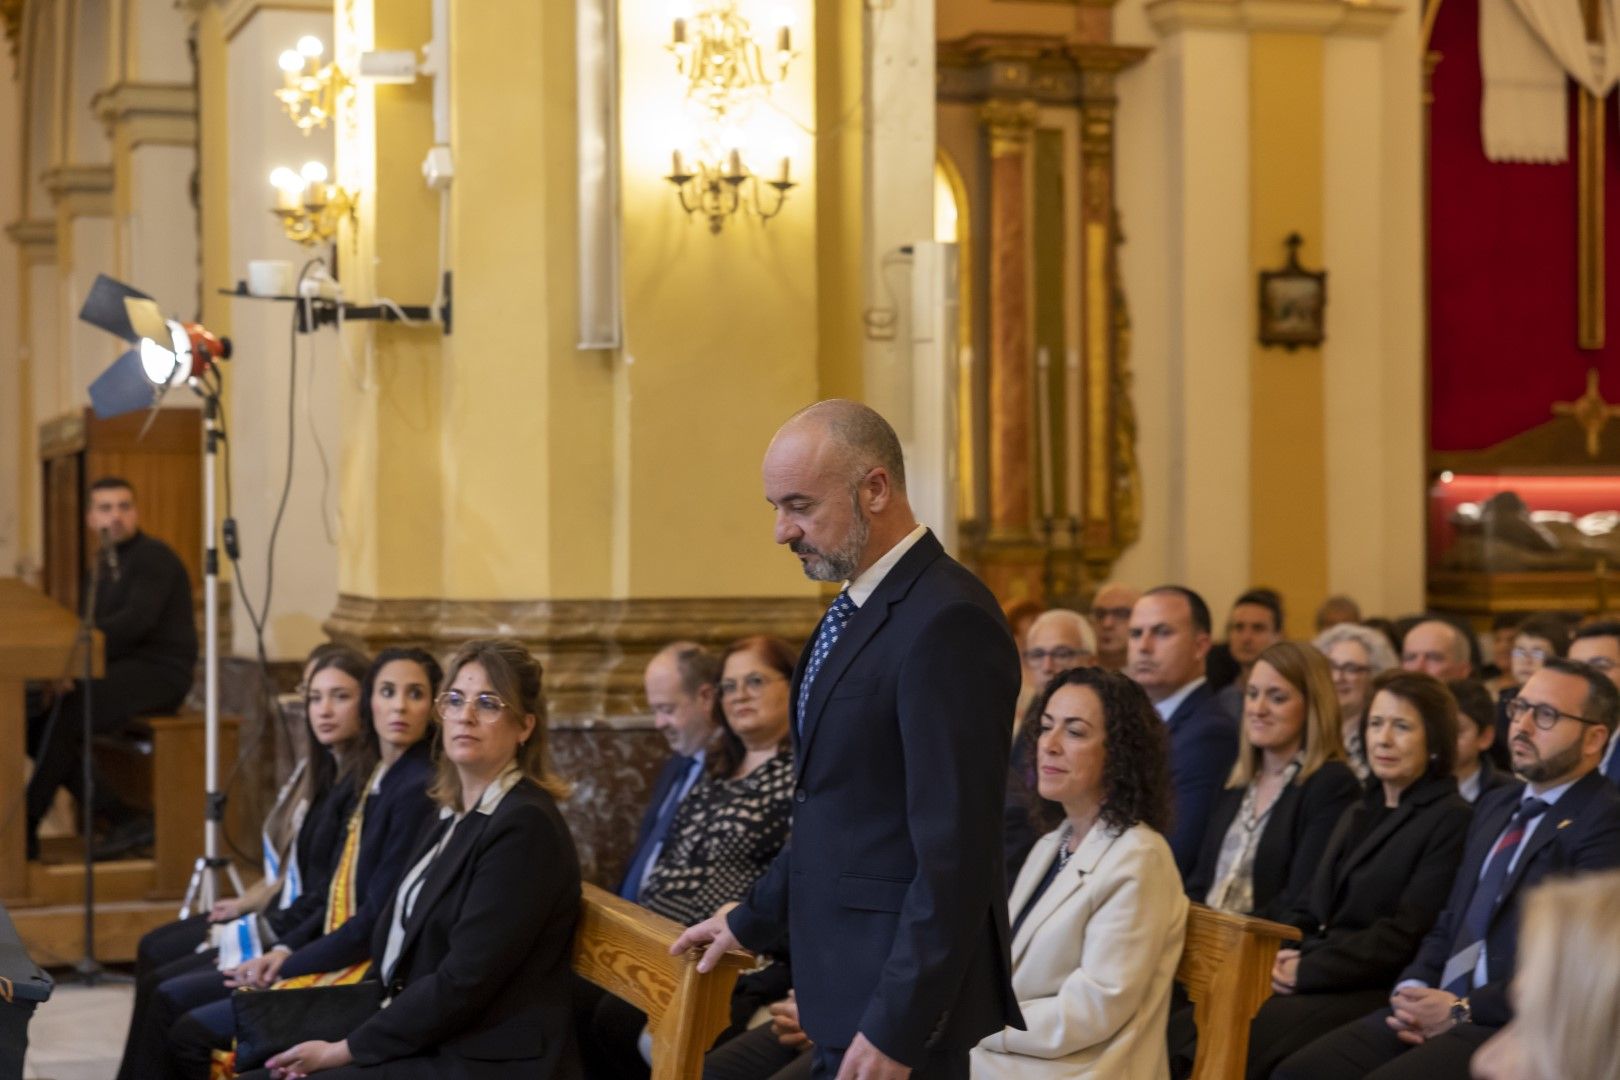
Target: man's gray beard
pixel 840 564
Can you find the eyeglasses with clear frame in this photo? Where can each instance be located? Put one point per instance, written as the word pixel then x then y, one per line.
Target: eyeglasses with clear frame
pixel 1543 715
pixel 1061 655
pixel 453 705
pixel 753 682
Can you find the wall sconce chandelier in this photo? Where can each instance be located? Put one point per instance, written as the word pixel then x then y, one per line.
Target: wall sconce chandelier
pixel 310 207
pixel 310 91
pixel 727 72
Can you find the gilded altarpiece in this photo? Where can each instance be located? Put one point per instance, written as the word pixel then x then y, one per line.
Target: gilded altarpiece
pixel 1051 489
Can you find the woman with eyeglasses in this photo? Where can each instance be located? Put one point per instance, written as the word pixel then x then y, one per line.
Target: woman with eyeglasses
pixel 473 949
pixel 300 841
pixel 726 832
pixel 331 946
pixel 1356 656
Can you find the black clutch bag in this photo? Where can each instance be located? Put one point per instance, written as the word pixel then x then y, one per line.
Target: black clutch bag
pixel 270 1021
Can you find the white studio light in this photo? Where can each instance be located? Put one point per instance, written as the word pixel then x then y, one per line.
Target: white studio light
pixel 291 61
pixel 310 46
pixel 169 363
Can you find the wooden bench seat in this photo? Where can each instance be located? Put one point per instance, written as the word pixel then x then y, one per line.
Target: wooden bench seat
pixel 624 949
pixel 1226 970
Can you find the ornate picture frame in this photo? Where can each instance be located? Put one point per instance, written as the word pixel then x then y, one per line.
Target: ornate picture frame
pixel 1293 302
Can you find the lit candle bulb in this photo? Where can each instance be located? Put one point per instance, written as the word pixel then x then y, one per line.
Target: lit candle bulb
pixel 289 188
pixel 314 177
pixel 310 46
pixel 291 61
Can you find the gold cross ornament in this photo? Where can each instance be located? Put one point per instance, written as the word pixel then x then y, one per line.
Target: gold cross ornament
pixel 1590 411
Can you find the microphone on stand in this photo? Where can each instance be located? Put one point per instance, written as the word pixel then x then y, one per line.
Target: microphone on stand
pixel 111 551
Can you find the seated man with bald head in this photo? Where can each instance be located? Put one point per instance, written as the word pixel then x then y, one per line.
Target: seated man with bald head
pixel 680 682
pixel 1111 619
pixel 1437 647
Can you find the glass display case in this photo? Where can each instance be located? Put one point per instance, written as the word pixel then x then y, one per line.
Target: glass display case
pixel 1523 541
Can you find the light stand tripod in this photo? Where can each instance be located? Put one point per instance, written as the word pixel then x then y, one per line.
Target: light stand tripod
pixel 89 970
pixel 203 889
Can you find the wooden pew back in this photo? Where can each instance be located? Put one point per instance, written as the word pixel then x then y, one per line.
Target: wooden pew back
pixel 625 950
pixel 1226 970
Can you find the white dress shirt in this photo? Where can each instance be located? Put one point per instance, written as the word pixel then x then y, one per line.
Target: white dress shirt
pixel 862 588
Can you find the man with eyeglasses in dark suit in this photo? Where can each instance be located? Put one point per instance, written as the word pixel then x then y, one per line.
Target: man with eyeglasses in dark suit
pixel 1564 819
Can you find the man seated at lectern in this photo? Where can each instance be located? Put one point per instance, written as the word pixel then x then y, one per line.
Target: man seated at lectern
pixel 143 610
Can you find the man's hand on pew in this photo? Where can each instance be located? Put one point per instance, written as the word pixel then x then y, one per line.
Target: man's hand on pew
pixel 712 935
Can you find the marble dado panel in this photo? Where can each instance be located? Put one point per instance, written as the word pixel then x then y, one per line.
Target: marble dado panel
pixel 593 653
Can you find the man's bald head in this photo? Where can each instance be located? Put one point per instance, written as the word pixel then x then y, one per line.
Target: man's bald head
pixel 836 476
pixel 858 431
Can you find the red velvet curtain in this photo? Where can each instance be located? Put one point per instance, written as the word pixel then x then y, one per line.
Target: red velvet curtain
pixel 1502 270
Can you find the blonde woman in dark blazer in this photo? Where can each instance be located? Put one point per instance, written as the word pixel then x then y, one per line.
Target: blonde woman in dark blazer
pixel 473 952
pixel 1099 916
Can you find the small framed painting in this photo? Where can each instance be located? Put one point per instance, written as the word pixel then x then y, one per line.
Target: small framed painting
pixel 1292 302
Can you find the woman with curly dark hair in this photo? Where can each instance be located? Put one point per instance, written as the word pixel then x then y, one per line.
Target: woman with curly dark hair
pixel 1098 912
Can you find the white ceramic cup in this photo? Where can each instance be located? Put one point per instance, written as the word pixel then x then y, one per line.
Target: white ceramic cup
pixel 270 277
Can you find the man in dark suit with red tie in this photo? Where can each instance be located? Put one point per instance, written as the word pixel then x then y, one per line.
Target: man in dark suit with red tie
pixel 891 888
pixel 1564 819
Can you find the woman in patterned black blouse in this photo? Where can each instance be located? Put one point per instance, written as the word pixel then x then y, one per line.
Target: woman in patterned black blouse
pixel 726 832
pixel 732 824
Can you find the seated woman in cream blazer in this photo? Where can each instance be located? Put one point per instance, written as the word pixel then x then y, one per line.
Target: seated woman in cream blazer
pixel 1098 911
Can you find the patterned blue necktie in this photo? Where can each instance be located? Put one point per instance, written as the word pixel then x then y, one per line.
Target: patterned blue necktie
pixel 832 625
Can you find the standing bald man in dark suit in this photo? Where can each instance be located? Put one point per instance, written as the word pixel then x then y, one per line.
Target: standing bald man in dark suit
pixel 891 890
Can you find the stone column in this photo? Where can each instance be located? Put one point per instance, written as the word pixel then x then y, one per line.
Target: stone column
pixel 1008 126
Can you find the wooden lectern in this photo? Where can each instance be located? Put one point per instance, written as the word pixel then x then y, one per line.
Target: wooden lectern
pixel 38 639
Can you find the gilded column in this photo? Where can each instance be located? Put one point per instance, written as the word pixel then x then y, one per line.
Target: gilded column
pixel 1109 511
pixel 1009 125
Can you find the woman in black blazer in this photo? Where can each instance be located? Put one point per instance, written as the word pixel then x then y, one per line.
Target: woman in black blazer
pixel 473 953
pixel 1290 784
pixel 1384 880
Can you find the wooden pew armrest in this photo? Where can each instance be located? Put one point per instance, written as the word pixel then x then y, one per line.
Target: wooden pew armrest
pixel 624 949
pixel 1226 970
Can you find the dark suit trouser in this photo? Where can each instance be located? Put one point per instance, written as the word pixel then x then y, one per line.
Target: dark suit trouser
pixel 756 1055
pixel 130 688
pixel 164 953
pixel 946 1065
pixel 1368 1048
pixel 1290 1022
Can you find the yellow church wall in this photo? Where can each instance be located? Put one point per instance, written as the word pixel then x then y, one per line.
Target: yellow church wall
pixel 1287 511
pixel 840 180
pixel 1296 470
pixel 545 471
pixel 720 337
pixel 390 480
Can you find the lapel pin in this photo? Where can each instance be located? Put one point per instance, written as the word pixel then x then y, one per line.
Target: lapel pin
pixel 1566 823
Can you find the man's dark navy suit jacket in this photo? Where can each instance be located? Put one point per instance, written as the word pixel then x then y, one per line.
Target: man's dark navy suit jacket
pixel 892 885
